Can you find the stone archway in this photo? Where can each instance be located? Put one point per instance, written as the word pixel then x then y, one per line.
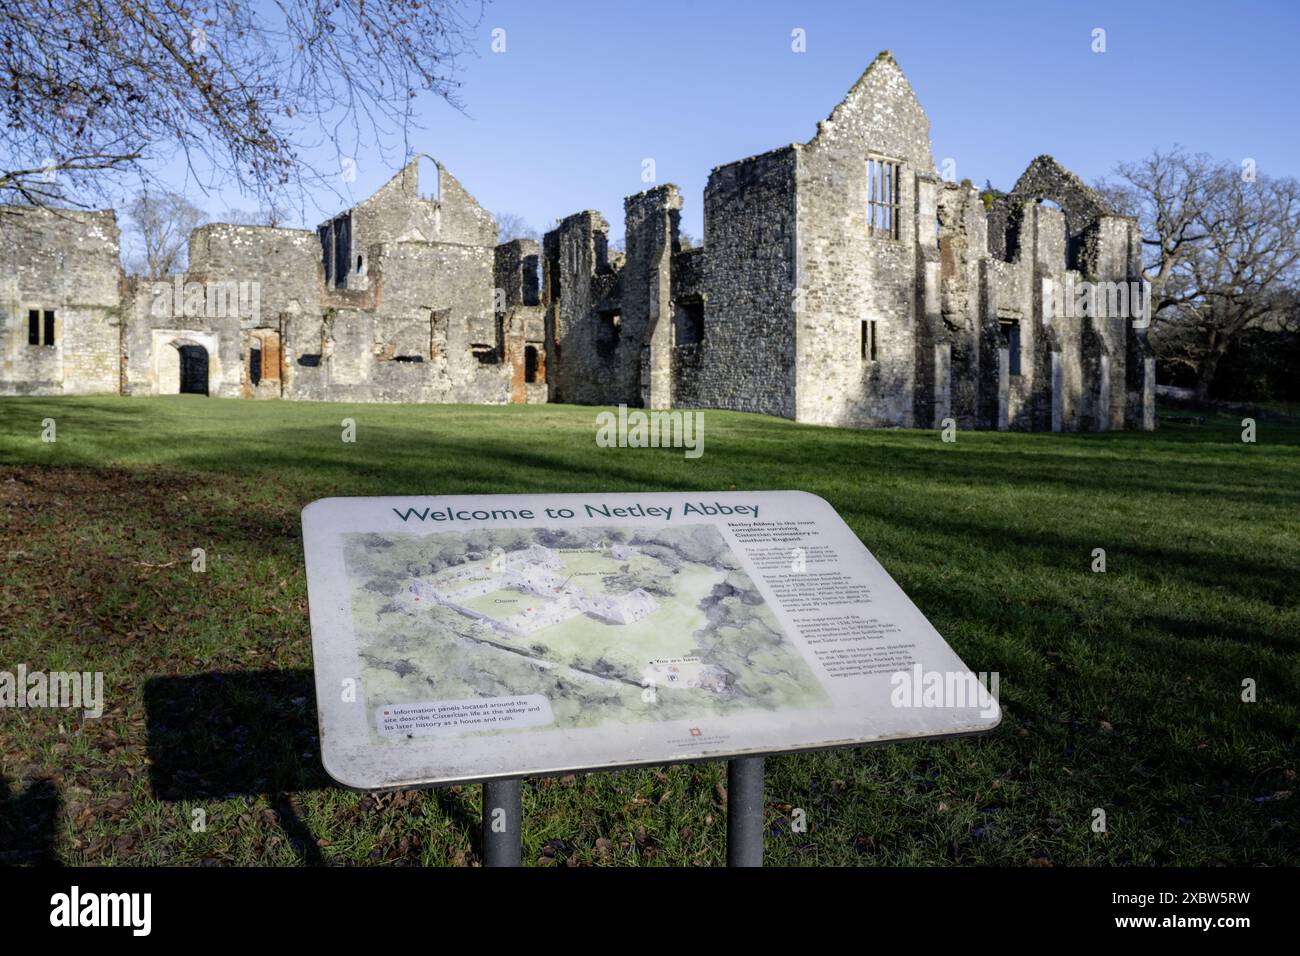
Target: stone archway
pixel 185 362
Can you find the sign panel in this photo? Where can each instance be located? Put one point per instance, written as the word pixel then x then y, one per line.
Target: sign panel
pixel 464 638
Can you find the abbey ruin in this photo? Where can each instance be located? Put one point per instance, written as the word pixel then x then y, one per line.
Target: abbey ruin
pixel 841 281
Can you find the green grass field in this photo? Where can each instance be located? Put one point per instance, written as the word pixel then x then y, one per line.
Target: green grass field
pixel 1122 690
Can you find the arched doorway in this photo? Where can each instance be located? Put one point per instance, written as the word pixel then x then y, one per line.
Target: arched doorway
pixel 530 364
pixel 194 370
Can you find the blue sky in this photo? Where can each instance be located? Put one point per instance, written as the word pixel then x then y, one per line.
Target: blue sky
pixel 584 91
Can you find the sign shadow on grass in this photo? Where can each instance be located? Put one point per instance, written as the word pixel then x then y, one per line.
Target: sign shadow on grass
pixel 28 824
pixel 219 736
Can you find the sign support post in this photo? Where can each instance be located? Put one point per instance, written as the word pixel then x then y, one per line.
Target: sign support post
pixel 745 811
pixel 502 823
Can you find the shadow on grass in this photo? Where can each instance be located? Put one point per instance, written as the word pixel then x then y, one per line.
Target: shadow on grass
pixel 224 735
pixel 218 736
pixel 389 461
pixel 28 822
pixel 1125 687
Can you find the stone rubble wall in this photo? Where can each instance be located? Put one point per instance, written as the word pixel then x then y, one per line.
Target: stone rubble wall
pixel 792 306
pixel 67 262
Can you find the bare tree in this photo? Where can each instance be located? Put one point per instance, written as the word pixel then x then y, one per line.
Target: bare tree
pixel 511 225
pixel 1245 272
pixel 272 214
pixel 1222 251
pixel 1168 194
pixel 91 89
pixel 160 227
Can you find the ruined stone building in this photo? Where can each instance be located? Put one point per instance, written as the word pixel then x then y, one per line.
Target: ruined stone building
pixel 390 301
pixel 841 281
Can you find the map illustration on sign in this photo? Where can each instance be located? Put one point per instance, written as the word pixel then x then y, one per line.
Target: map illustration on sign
pixel 463 638
pixel 582 625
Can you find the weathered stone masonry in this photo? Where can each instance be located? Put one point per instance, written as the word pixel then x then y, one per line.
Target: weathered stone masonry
pixel 841 282
pixel 391 301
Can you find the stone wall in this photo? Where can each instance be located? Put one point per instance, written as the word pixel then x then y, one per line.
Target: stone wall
pixel 858 283
pixel 65 263
pixel 244 285
pixel 521 320
pixel 415 323
pixel 1045 179
pixel 587 362
pixel 645 374
pixel 800 304
pixel 748 351
pixel 841 282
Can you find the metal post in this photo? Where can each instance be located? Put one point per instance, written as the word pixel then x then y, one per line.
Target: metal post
pixel 745 811
pixel 502 823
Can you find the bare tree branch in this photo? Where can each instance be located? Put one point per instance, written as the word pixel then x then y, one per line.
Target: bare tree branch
pixel 93 89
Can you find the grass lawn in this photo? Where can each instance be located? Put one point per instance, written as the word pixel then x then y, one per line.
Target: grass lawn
pixel 1122 691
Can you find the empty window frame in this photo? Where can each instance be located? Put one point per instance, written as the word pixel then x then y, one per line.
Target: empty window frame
pixel 531 365
pixel 40 327
pixel 883 198
pixel 870 339
pixel 531 285
pixel 690 321
pixel 342 250
pixel 255 364
pixel 555 281
pixel 326 233
pixel 1011 339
